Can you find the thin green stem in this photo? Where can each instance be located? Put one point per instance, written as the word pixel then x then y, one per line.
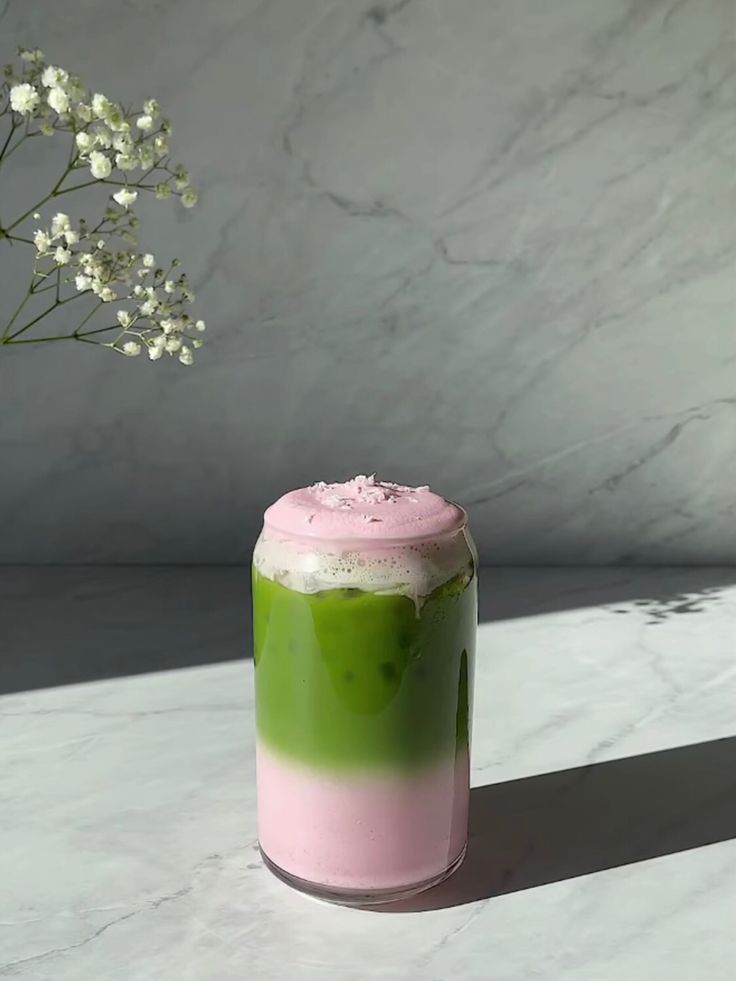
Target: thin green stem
pixel 89 316
pixel 105 180
pixel 15 238
pixel 8 138
pixel 45 313
pixel 11 151
pixel 54 192
pixel 75 336
pixel 18 309
pixel 41 340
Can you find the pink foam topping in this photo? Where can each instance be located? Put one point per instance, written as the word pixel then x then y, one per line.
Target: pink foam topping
pixel 365 509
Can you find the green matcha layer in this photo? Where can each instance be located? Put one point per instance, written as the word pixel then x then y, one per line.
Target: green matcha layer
pixel 350 679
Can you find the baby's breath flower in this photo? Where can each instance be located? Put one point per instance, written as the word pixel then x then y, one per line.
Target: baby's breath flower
pixel 60 223
pixel 75 88
pixel 160 145
pixel 125 198
pixel 100 105
pixel 156 347
pixel 145 156
pixel 103 137
pixel 181 178
pixel 122 143
pixel 52 76
pixel 99 165
pixel 125 161
pixel 24 98
pixel 58 99
pixel 115 118
pixel 201 326
pixel 31 55
pixel 85 141
pixel 41 240
pixel 108 266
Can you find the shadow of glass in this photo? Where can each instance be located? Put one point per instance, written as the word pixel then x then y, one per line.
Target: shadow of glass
pixel 543 829
pixel 65 625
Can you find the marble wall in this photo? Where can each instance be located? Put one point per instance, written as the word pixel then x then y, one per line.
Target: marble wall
pixel 485 243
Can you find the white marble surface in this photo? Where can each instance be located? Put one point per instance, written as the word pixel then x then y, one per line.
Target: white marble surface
pixel 489 245
pixel 127 805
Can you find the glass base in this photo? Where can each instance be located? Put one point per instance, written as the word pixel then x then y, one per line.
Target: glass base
pixel 360 897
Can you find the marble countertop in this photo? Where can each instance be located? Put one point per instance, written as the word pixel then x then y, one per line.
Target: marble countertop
pixel 603 813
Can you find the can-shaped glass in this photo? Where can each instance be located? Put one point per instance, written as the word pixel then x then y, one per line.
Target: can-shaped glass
pixel 365 614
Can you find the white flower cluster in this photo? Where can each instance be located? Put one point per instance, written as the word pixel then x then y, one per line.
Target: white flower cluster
pixel 106 136
pixel 119 147
pixel 155 317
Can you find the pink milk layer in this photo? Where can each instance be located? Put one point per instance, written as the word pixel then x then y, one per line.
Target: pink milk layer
pixel 367 832
pixel 365 510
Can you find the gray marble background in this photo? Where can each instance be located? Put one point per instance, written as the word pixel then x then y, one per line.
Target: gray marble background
pixel 486 243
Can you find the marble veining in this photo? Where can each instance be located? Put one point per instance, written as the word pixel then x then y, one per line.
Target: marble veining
pixel 603 826
pixel 488 245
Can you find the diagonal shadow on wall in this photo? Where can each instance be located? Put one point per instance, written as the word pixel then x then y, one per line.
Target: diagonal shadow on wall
pixel 68 624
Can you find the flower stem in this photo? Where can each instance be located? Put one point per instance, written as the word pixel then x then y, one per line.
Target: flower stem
pixel 11 151
pixel 15 238
pixel 89 316
pixel 18 309
pixel 76 335
pixel 48 310
pixel 54 192
pixel 8 138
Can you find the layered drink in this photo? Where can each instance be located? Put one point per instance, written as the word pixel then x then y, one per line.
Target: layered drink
pixel 365 611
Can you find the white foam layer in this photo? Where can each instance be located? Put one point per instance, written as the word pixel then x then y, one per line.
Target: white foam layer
pixel 413 570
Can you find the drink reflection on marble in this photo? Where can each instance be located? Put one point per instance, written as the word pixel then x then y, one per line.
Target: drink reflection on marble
pixel 365 611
